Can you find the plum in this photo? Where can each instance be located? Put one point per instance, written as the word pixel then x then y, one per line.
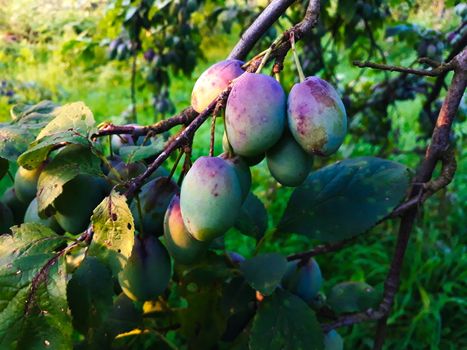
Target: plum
pixel 147 272
pixel 179 242
pixel 213 81
pixel 26 183
pixel 32 215
pixel 317 116
pixel 76 203
pixel 210 198
pixel 255 114
pixel 17 207
pixel 242 170
pixel 333 341
pixel 250 161
pixel 304 281
pixel 154 198
pixel 6 218
pixel 288 163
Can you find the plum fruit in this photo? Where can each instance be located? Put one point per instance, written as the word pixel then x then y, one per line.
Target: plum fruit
pixel 26 183
pixel 304 281
pixel 147 272
pixel 154 198
pixel 32 215
pixel 179 242
pixel 242 170
pixel 317 116
pixel 213 81
pixel 210 198
pixel 288 163
pixel 255 114
pixel 6 218
pixel 333 341
pixel 17 207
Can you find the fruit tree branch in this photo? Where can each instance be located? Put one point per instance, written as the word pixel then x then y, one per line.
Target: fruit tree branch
pixel 438 147
pixel 387 67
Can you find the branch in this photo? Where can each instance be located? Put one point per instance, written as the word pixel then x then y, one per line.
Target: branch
pixel 435 152
pixel 321 249
pixel 442 68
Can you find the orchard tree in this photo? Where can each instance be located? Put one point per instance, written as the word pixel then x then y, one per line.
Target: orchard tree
pixel 104 248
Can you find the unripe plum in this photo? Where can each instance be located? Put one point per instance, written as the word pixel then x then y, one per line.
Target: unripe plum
pixel 210 198
pixel 242 170
pixel 26 183
pixel 213 81
pixel 154 198
pixel 250 161
pixel 179 242
pixel 316 116
pixel 333 341
pixel 288 163
pixel 147 272
pixel 76 203
pixel 255 114
pixel 17 207
pixel 6 218
pixel 32 215
pixel 304 281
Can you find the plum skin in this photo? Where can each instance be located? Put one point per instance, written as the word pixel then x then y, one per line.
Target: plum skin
pixel 210 198
pixel 316 116
pixel 255 114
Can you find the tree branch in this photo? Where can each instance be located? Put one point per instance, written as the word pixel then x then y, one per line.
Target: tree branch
pixel 387 67
pixel 321 249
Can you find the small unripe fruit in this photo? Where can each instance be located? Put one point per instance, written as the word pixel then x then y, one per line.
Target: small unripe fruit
pixel 32 215
pixel 288 163
pixel 255 114
pixel 26 183
pixel 304 281
pixel 243 172
pixel 17 207
pixel 213 81
pixel 147 272
pixel 316 116
pixel 333 341
pixel 179 242
pixel 154 198
pixel 210 198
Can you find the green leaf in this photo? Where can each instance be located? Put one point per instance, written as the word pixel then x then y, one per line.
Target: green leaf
pixel 264 272
pixel 39 150
pixel 33 306
pixel 283 322
pixel 89 293
pixel 4 165
pixel 253 218
pixel 23 111
pixel 345 199
pixel 131 154
pixel 73 116
pixel 348 297
pixel 69 163
pixel 114 232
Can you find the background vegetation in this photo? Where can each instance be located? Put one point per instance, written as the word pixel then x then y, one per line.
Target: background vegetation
pixel 62 51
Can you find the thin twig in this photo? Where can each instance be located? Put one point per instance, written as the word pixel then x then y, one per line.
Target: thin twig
pixel 321 249
pixel 387 67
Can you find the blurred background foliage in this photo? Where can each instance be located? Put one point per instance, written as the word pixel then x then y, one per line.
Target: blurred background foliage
pixel 138 60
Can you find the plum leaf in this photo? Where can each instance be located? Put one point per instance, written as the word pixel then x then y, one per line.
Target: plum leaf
pixel 264 272
pixel 345 199
pixel 33 306
pixel 353 297
pixel 284 321
pixel 114 232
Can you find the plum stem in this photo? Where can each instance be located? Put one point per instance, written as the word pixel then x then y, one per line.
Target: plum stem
pixel 295 56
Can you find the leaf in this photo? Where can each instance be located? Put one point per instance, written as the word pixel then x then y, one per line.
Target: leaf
pixel 4 165
pixel 21 111
pixel 114 232
pixel 33 307
pixel 283 322
pixel 89 293
pixel 345 199
pixel 70 162
pixel 39 150
pixel 253 218
pixel 136 153
pixel 264 272
pixel 73 116
pixel 348 297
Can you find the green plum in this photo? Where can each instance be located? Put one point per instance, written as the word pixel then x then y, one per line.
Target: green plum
pixel 288 163
pixel 154 198
pixel 333 341
pixel 179 242
pixel 242 170
pixel 147 272
pixel 213 81
pixel 250 161
pixel 304 281
pixel 76 203
pixel 26 183
pixel 255 114
pixel 32 215
pixel 17 207
pixel 210 198
pixel 316 116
